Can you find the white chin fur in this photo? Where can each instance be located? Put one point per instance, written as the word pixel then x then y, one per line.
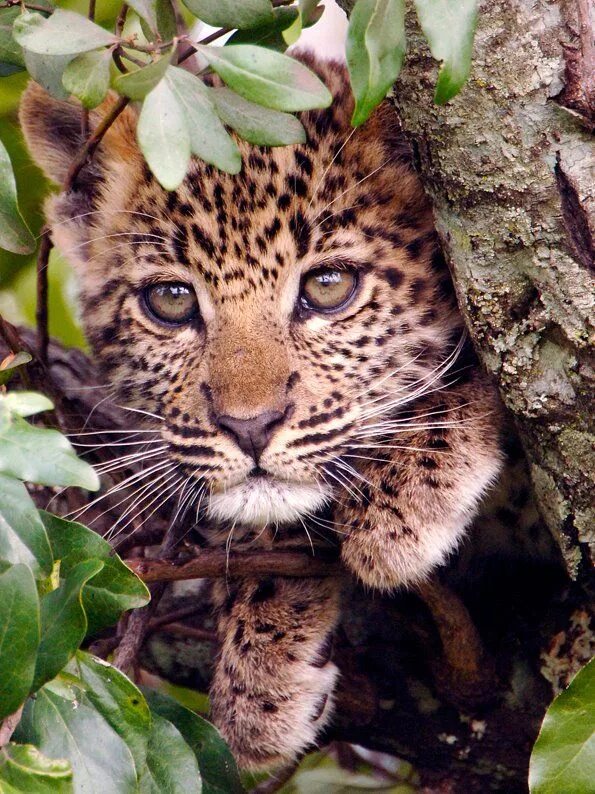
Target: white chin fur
pixel 262 501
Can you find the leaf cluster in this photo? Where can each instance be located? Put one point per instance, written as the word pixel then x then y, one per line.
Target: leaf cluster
pixel 145 60
pixel 85 726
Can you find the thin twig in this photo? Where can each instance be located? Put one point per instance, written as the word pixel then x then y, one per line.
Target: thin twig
pixel 41 312
pixel 191 632
pixel 87 151
pixel 121 20
pixel 11 336
pixel 191 49
pixel 173 617
pixel 215 563
pixel 126 655
pixel 133 638
pixel 468 674
pixel 152 46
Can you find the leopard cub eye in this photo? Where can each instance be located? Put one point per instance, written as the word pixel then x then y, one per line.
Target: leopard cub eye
pixel 328 289
pixel 171 303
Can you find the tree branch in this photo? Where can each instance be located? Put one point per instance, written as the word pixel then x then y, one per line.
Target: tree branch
pixel 215 563
pixel 41 311
pixel 466 673
pixel 88 149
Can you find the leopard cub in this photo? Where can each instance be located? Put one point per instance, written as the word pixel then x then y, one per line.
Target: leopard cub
pixel 292 336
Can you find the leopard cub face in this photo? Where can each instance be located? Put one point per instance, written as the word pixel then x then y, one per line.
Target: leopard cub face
pixel 268 322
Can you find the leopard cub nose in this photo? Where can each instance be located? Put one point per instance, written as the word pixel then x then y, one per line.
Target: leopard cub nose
pixel 252 435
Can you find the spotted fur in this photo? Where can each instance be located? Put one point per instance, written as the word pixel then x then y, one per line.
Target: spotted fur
pixel 388 425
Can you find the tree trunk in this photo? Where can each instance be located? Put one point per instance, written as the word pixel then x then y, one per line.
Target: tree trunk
pixel 510 167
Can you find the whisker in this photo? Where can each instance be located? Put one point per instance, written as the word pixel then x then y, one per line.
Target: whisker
pixel 112 444
pixel 127 461
pixel 308 534
pixel 113 212
pixel 105 432
pixel 140 411
pixel 329 166
pixel 111 236
pixel 136 493
pixel 113 489
pixel 169 490
pixel 349 189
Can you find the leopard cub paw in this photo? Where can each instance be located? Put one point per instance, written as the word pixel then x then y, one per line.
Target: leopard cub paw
pixel 272 691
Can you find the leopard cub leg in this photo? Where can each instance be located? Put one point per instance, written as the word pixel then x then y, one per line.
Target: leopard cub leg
pixel 420 499
pixel 272 691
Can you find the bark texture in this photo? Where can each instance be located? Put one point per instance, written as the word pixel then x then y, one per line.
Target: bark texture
pixel 511 173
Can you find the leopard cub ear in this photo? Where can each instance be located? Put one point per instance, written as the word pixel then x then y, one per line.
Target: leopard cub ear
pixel 52 130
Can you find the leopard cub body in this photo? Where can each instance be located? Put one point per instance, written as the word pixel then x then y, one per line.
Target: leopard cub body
pixel 367 420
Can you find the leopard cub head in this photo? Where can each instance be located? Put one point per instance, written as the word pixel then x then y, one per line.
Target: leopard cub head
pixel 263 320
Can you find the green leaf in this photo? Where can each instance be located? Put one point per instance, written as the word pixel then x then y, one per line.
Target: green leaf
pixel 136 85
pixel 63 622
pixel 63 33
pixel 26 770
pixel 166 20
pixel 10 363
pixel 375 49
pixel 563 759
pixel 146 9
pixel 449 26
pixel 19 636
pixel 61 726
pixel 118 701
pixel 113 590
pixel 163 20
pixel 254 123
pixel 208 137
pixel 217 766
pixel 14 234
pixel 26 403
pixel 48 70
pixel 23 538
pixel 310 12
pixel 10 51
pixel 267 78
pixel 171 764
pixel 231 14
pixel 87 77
pixel 41 455
pixel 270 35
pixel 163 136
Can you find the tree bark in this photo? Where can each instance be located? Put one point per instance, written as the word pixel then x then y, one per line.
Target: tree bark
pixel 509 165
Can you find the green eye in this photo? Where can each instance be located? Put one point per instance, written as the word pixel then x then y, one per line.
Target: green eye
pixel 328 289
pixel 171 303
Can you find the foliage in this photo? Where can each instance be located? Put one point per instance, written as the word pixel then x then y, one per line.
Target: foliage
pixel 85 726
pixel 376 46
pixel 71 55
pixel 563 759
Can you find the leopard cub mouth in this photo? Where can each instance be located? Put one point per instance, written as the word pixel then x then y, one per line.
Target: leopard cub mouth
pixel 261 499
